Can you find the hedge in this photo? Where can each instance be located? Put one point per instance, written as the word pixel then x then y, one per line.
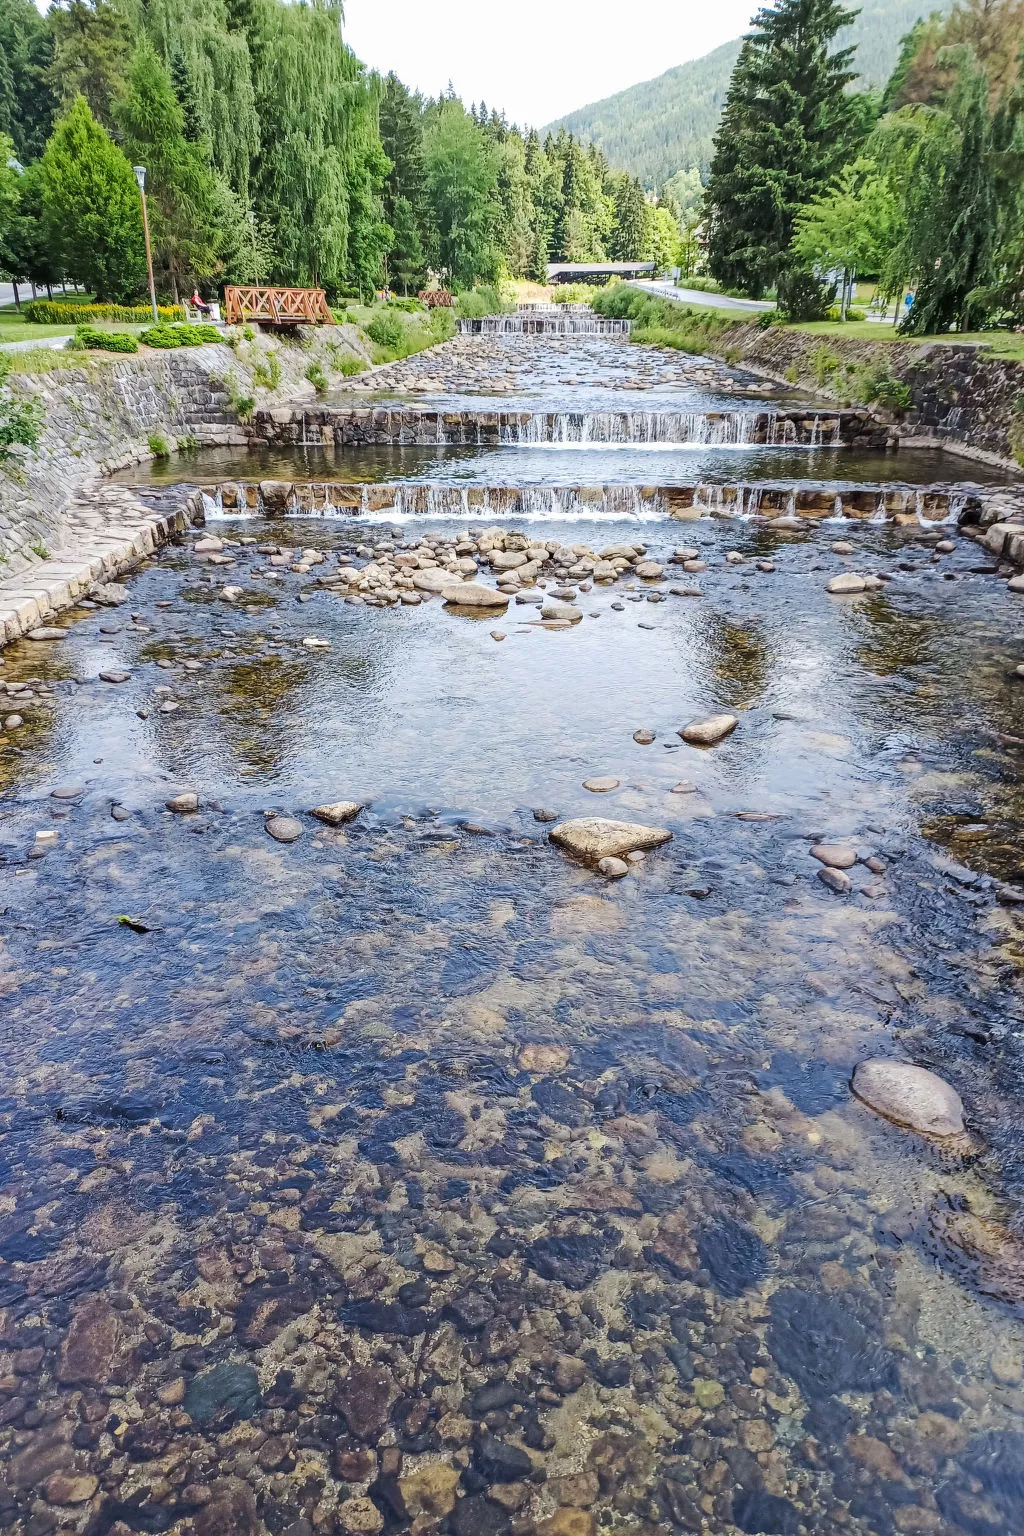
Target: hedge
pixel 86 336
pixel 167 336
pixel 53 312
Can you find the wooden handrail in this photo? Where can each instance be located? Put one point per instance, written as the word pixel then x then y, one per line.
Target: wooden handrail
pixel 277 306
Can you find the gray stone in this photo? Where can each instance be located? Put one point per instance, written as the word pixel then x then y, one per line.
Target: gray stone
pixel 187 801
pixel 602 785
pixel 47 632
pixel 834 855
pixel 112 676
pixel 836 880
pixel 283 829
pixel 612 868
pixel 845 584
pixel 473 594
pixel 910 1096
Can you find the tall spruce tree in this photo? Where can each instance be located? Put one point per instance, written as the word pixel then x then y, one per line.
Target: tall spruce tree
pixel 787 127
pixel 404 193
pixel 26 98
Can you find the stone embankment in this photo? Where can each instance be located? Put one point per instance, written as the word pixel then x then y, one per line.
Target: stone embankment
pixel 963 397
pixel 100 417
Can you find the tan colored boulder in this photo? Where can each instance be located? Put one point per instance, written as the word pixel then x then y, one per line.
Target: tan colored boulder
pixel 845 584
pixel 337 812
pixel 834 855
pixel 709 730
pixel 596 837
pixel 473 594
pixel 434 580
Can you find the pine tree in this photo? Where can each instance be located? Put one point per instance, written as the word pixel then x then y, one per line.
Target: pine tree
pixel 92 207
pixel 92 49
pixel 785 131
pixel 26 99
pixel 404 193
pixel 462 177
pixel 632 237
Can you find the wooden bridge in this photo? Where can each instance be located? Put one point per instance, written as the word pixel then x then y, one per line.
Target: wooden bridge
pixel 277 306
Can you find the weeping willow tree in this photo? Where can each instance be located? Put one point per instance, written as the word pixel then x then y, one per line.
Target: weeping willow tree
pixel 320 169
pixel 207 57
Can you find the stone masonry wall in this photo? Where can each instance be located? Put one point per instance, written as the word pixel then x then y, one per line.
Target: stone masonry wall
pixel 962 396
pixel 99 417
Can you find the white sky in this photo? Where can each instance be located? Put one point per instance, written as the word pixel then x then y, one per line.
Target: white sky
pixel 537 59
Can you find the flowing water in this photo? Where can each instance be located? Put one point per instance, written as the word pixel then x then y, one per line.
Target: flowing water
pixel 413 1176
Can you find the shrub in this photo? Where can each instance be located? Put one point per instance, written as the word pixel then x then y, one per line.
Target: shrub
pixel 188 444
pixel 664 322
pixel 573 293
pixel 836 313
pixel 158 446
pixel 441 325
pixel 484 299
pixel 40 549
pixel 53 312
pixel 267 375
pixel 350 366
pixel 316 376
pixel 792 374
pixel 242 405
pixel 20 420
pixel 168 336
pixel 876 386
pixel 387 331
pixel 408 306
pixel 824 364
pixel 89 339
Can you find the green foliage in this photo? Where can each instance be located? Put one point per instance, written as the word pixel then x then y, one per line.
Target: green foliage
pixel 484 299
pixel 89 339
pixel 21 421
pixel 242 405
pixel 406 306
pixel 92 207
pixel 266 374
pixel 316 376
pixel 40 549
pixel 350 366
pixel 26 93
pixel 159 446
pixel 876 386
pixel 824 364
pixel 167 337
pixel 664 322
pixel 386 330
pixel 573 293
pixel 851 225
pixel 461 178
pixel 54 312
pixel 787 126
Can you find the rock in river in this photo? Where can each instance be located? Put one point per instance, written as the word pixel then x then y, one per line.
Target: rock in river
pixel 709 730
pixel 47 632
pixel 283 829
pixel 834 855
pixel 337 812
pixel 229 1387
pixel 602 785
pixel 596 837
pixel 473 594
pixel 846 583
pixel 909 1095
pixel 184 803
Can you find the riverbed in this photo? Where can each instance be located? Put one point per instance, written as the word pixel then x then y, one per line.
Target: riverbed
pixel 409 1173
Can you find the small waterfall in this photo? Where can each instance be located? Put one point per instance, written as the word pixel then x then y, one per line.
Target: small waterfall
pixel 737 429
pixel 543 325
pixel 213 506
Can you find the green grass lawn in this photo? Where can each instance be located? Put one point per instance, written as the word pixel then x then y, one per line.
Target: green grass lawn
pixel 1001 343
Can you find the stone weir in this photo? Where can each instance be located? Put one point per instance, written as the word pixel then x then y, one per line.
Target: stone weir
pixel 392 426
pixel 642 503
pixel 543 324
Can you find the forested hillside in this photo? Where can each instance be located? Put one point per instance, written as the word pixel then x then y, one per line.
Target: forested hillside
pixel 664 125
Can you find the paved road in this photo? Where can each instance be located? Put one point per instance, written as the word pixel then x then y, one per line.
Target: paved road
pixel 695 296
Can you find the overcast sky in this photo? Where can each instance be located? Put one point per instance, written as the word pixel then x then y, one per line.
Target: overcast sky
pixel 536 59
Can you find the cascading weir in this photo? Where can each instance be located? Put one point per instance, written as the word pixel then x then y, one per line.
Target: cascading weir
pixel 543 324
pixel 396 426
pixel 408 501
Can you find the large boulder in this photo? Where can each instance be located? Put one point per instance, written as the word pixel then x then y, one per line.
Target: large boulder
pixel 849 582
pixel 473 594
pixel 434 579
pixel 709 730
pixel 910 1096
pixel 596 837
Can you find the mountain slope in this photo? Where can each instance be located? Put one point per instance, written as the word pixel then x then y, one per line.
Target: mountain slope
pixel 664 125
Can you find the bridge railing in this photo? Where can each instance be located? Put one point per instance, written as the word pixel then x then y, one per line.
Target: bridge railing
pixel 277 306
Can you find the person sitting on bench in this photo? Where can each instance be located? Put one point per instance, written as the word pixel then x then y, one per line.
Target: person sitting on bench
pixel 198 303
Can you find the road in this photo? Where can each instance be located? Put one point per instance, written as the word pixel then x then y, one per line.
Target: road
pixel 666 290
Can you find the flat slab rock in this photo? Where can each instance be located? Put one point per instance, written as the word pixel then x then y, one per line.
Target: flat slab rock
pixel 47 632
pixel 910 1096
pixel 596 837
pixel 337 812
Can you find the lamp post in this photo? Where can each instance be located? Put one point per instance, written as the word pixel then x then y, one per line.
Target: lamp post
pixel 140 177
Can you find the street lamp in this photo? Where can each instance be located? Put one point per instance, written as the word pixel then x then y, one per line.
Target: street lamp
pixel 140 177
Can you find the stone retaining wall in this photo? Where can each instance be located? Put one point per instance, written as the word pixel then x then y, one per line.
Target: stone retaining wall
pixel 99 417
pixel 963 397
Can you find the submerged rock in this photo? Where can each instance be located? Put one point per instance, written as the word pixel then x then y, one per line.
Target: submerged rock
pixel 596 837
pixel 613 869
pixel 184 803
pixel 985 1253
pixel 910 1096
pixel 824 1347
pixel 47 632
pixel 283 829
pixel 230 1387
pixel 709 730
pixel 601 785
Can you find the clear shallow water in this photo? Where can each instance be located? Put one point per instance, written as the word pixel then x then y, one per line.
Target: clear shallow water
pixel 415 1144
pixel 588 464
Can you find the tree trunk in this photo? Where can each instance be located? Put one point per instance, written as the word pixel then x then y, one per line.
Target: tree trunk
pixel 17 297
pixel 846 291
pixel 49 293
pixel 899 303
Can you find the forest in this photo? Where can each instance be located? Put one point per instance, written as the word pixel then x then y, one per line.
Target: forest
pixel 271 154
pixel 920 185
